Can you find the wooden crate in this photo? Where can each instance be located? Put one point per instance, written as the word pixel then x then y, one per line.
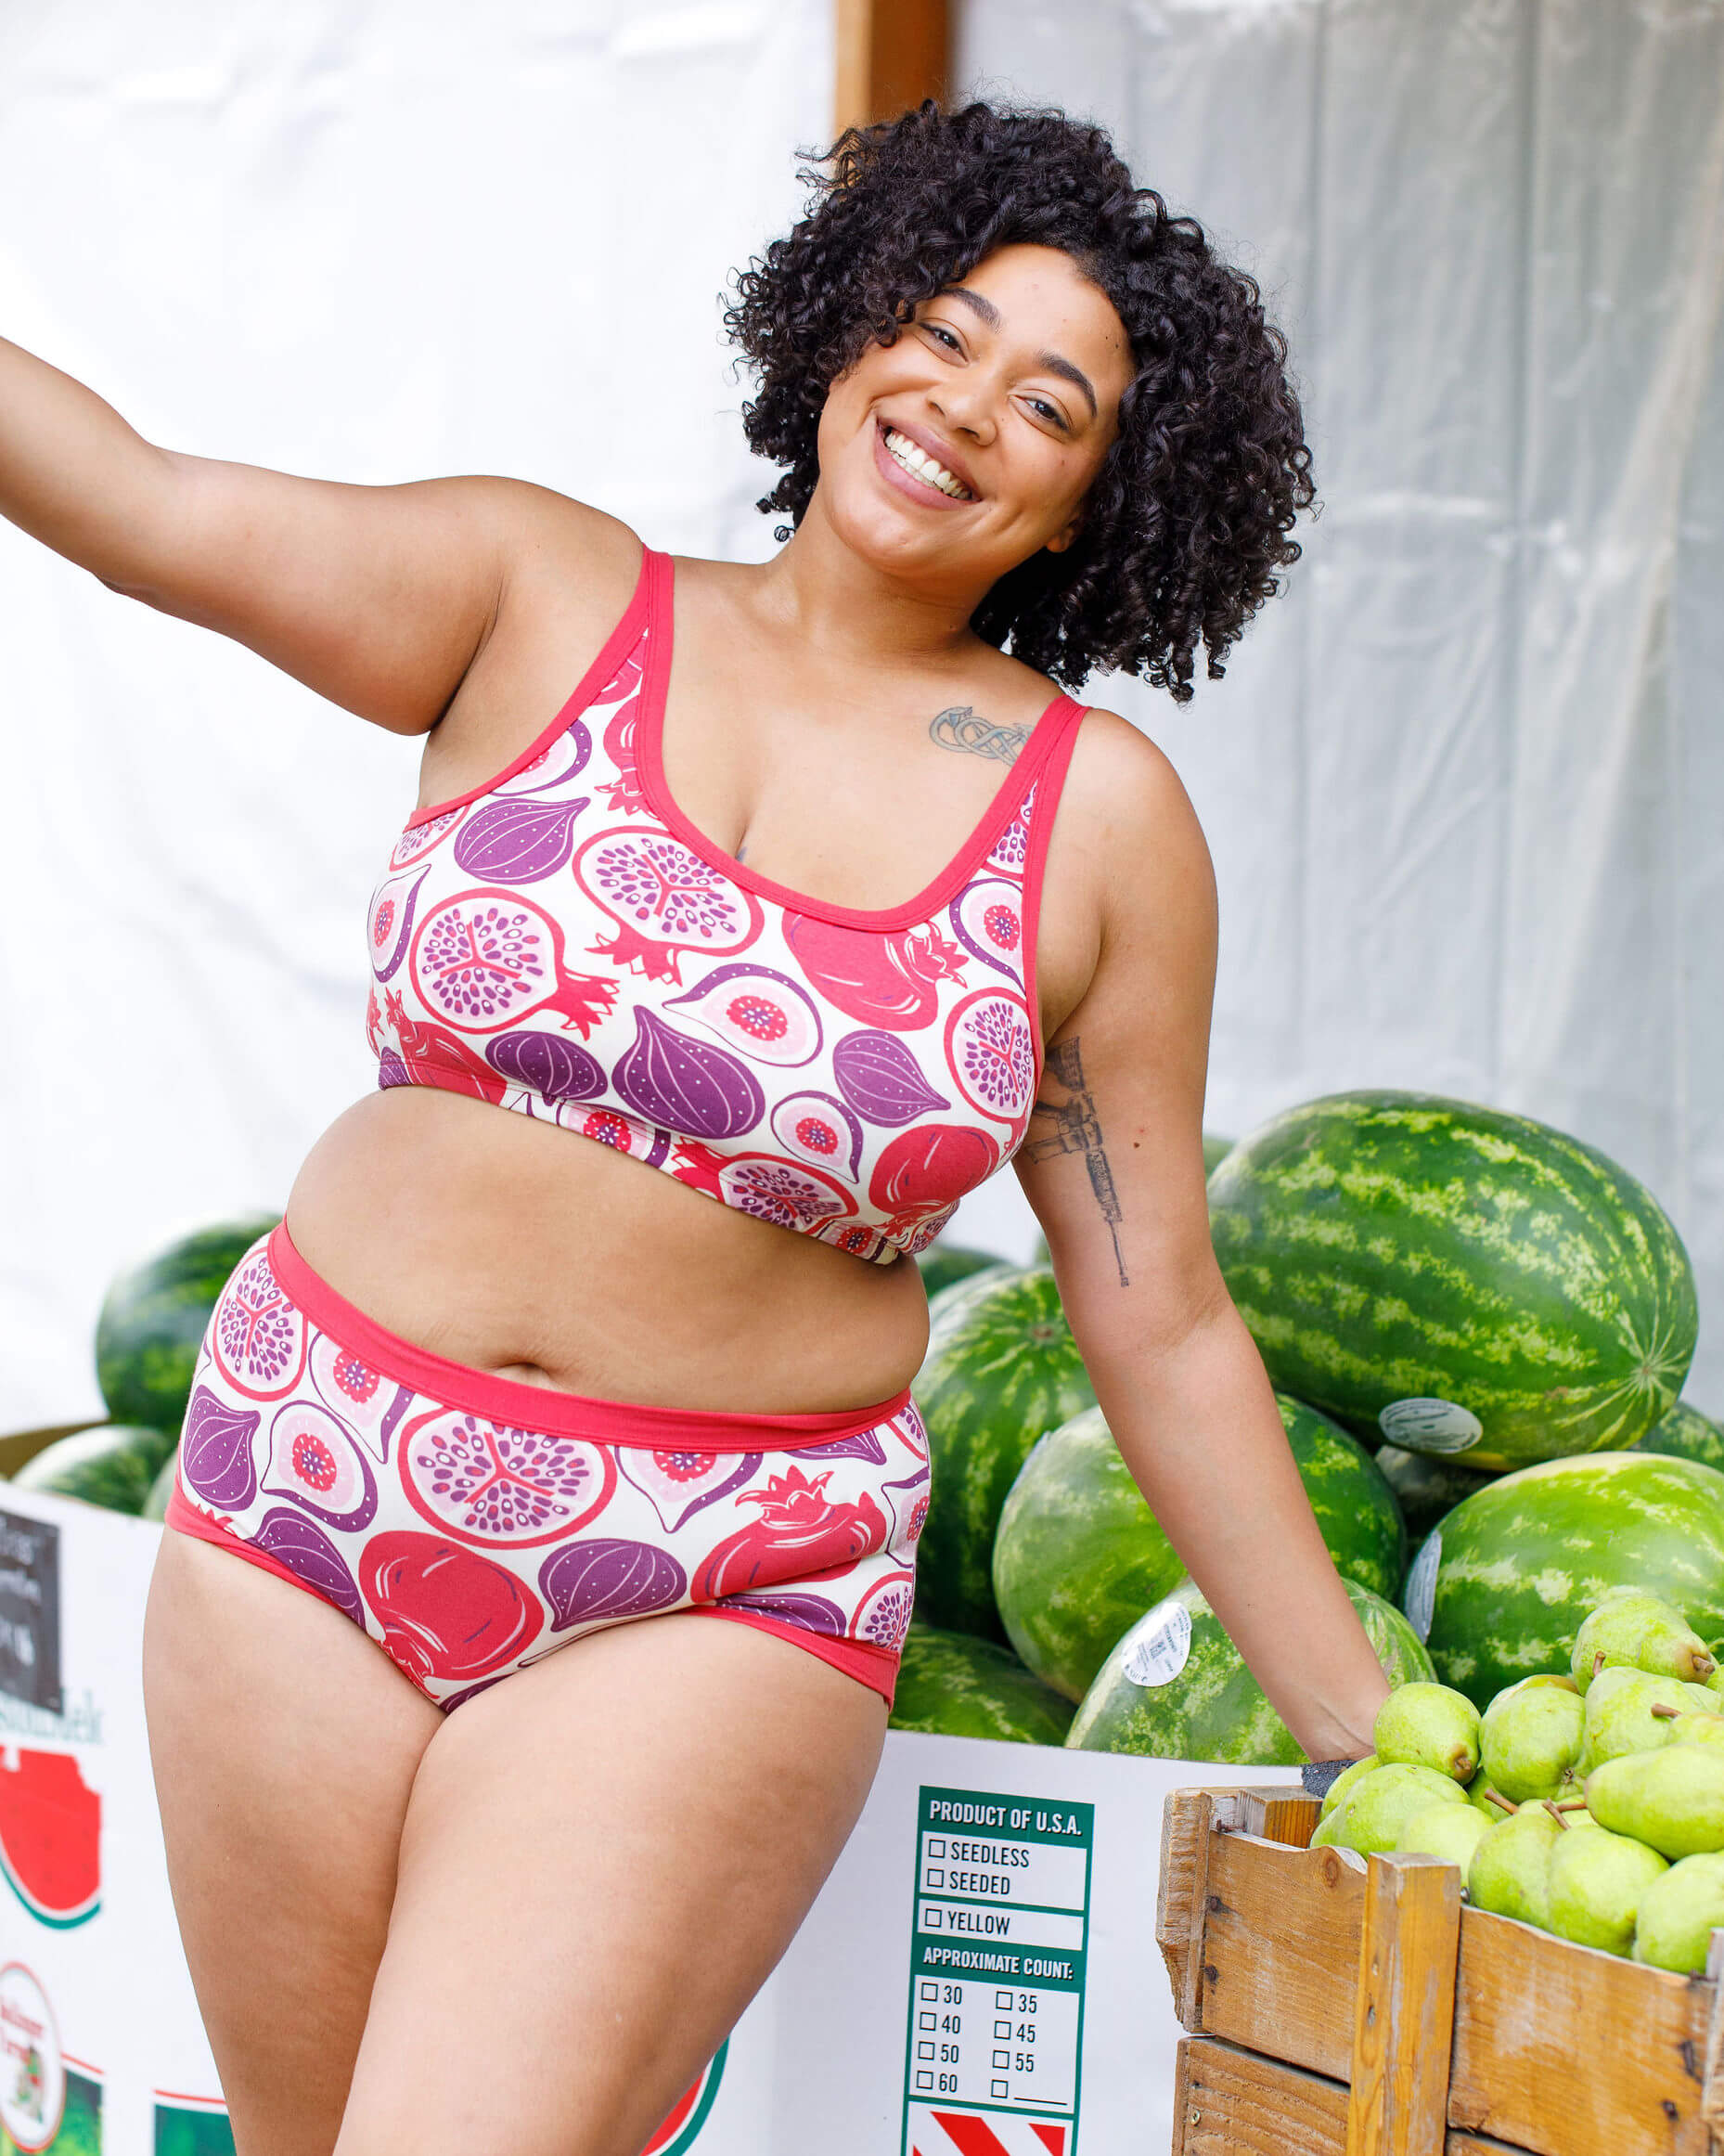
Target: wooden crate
pixel 1340 2008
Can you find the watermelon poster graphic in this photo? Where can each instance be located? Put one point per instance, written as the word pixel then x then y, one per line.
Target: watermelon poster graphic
pixel 50 1836
pixel 682 2129
pixel 46 2101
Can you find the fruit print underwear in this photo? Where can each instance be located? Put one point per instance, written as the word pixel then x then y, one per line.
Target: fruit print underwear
pixel 471 1524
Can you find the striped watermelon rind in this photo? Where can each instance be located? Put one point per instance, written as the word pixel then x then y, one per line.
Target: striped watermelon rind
pixel 1390 1245
pixel 1512 1570
pixel 1214 1710
pixel 944 1264
pixel 112 1465
pixel 950 1683
pixel 1686 1434
pixel 1079 1556
pixel 1001 1368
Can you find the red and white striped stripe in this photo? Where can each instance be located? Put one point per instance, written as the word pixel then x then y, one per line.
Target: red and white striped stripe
pixel 940 2132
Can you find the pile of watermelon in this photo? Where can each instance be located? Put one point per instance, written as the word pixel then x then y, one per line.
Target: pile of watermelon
pixel 152 1322
pixel 1477 1329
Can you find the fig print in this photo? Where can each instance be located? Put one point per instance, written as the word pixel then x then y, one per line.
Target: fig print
pixel 759 1012
pixel 485 1481
pixel 392 907
pixel 362 1399
pixel 990 1050
pixel 483 962
pixel 818 1129
pixel 418 839
pixel 256 1334
pixel 563 757
pixel 293 1540
pixel 665 899
pixel 679 1482
pixel 314 1463
pixel 882 1080
pixel 215 1451
pixel 688 1085
pixel 601 1577
pixel 548 1064
pixel 519 839
pixel 988 919
pixel 891 980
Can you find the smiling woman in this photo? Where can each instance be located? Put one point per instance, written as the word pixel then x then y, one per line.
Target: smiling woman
pixel 542 1518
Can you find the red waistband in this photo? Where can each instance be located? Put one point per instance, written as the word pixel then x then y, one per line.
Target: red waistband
pixel 536 1407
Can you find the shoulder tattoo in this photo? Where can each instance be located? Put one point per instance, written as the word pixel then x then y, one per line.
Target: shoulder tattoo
pixel 961 728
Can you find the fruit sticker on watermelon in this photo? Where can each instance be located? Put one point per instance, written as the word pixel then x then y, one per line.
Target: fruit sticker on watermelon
pixel 50 1837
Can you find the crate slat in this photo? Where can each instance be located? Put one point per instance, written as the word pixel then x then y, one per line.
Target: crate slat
pixel 1237 2103
pixel 1539 2055
pixel 1278 1955
pixel 1404 2008
pixel 1179 1891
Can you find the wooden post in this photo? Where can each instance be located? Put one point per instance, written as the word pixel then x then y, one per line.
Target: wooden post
pixel 890 54
pixel 1404 2014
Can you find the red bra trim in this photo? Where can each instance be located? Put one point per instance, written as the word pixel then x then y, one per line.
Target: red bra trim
pixel 1057 720
pixel 537 1407
pixel 1050 791
pixel 619 644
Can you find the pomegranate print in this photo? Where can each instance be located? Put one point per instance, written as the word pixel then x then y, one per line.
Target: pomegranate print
pixel 256 1336
pixel 800 1531
pixel 648 877
pixel 884 980
pixel 445 1613
pixel 483 1482
pixel 883 1615
pixel 843 1074
pixel 484 960
pixel 991 1051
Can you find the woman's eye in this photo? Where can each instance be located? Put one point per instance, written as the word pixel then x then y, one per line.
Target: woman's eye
pixel 1042 404
pixel 936 330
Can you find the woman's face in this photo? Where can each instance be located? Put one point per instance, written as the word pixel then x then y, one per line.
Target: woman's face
pixel 993 380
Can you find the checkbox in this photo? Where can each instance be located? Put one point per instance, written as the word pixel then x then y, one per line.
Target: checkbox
pixel 924 2020
pixel 998 2088
pixel 1002 2059
pixel 935 1847
pixel 931 1991
pixel 937 1875
pixel 926 2052
pixel 924 2080
pixel 1001 1999
pixel 932 1919
pixel 1002 2029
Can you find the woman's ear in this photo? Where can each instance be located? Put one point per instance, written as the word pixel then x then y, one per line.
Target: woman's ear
pixel 1065 538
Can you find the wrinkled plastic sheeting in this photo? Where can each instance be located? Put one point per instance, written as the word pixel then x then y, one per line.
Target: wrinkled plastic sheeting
pixel 372 244
pixel 1465 781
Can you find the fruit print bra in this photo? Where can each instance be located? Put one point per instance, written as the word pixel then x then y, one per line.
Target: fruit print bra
pixel 564 942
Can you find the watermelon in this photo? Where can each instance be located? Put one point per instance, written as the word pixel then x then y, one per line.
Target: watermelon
pixel 1078 1554
pixel 153 1318
pixel 1425 1488
pixel 162 1489
pixel 1389 1247
pixel 950 1683
pixel 942 1263
pixel 1176 1687
pixel 112 1465
pixel 1001 1367
pixel 1686 1434
pixel 1503 1583
pixel 1215 1150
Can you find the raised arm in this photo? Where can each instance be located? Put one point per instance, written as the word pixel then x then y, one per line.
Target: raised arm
pixel 1112 1166
pixel 379 598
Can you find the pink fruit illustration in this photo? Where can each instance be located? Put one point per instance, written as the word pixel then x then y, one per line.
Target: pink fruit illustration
pixel 483 962
pixel 484 1481
pixel 430 1055
pixel 313 1461
pixel 780 1191
pixel 800 1531
pixel 625 791
pixel 1011 849
pixel 883 1616
pixel 890 980
pixel 257 1336
pixel 680 1483
pixel 990 1049
pixel 363 1400
pixel 930 1166
pixel 446 1613
pixel 215 1451
pixel 820 1130
pixel 665 899
pixel 420 839
pixel 392 906
pixel 988 919
pixel 564 756
pixel 765 1015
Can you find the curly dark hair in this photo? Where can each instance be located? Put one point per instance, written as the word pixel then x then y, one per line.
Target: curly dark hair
pixel 1188 518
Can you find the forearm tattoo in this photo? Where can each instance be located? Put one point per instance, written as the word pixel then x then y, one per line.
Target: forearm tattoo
pixel 1069 1124
pixel 960 727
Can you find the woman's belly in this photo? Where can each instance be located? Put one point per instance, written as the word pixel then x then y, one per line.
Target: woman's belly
pixel 541 1255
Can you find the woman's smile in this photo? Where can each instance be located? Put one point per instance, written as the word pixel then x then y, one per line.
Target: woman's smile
pixel 911 468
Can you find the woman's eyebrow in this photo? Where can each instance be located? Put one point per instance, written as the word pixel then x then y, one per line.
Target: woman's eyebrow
pixel 1052 361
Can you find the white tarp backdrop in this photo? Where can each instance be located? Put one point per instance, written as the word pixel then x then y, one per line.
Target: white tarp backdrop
pixel 1464 784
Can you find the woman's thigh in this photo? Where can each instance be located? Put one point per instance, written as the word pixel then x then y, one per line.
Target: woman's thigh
pixel 602 1859
pixel 284 1745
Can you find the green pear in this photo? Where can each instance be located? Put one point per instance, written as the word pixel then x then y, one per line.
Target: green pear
pixel 1715 1683
pixel 1620 1715
pixel 1704 1698
pixel 1671 1799
pixel 1633 1630
pixel 1594 1883
pixel 1339 1788
pixel 1385 1799
pixel 1483 1796
pixel 1428 1726
pixel 1329 1830
pixel 1701 1727
pixel 1678 1913
pixel 1450 1832
pixel 1530 1739
pixel 1507 1874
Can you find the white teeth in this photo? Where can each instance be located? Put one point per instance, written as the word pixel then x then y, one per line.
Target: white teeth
pixel 924 467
